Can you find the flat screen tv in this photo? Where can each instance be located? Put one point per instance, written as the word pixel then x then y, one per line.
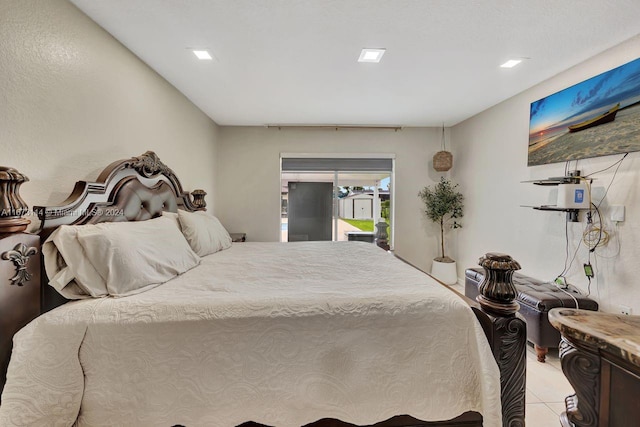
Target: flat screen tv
pixel 597 117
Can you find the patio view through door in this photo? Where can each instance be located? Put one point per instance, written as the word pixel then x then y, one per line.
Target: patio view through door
pixel 335 198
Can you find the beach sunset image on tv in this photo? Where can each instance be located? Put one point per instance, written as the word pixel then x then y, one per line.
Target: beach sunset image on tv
pixel 598 117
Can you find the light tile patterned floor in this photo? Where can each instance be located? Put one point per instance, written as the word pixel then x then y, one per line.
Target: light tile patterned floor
pixel 546 389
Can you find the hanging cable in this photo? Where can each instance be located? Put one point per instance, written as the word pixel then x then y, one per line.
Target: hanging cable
pixel 612 178
pixel 617 249
pixel 568 268
pixel 607 168
pixel 595 235
pixel 566 248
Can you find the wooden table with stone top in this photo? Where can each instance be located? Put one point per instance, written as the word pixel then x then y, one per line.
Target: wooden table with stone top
pixel 600 356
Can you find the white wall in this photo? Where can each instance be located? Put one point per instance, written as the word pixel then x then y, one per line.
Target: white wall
pixel 491 154
pixel 248 180
pixel 73 99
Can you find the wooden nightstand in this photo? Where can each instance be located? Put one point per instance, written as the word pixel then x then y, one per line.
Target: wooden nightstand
pixel 20 288
pixel 19 265
pixel 238 237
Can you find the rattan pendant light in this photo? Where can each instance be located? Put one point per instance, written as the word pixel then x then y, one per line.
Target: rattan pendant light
pixel 442 160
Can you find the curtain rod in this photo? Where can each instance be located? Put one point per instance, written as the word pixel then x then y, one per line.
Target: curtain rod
pixel 334 127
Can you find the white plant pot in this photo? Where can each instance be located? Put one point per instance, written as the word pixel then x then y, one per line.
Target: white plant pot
pixel 446 272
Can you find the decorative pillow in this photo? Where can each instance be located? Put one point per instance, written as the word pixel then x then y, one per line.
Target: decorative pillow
pixel 204 232
pixel 67 266
pixel 173 216
pixel 136 256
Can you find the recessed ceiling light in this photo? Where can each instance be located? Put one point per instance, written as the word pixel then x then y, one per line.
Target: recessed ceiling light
pixel 371 55
pixel 202 54
pixel 511 63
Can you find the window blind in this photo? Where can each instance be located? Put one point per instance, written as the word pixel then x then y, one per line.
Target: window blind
pixel 291 164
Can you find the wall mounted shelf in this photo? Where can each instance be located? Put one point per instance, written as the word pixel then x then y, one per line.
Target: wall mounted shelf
pixel 572 214
pixel 557 180
pixel 572 178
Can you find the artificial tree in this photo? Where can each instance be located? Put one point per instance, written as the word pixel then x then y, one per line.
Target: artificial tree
pixel 444 206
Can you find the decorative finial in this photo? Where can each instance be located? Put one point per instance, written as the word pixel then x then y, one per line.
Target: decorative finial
pixel 198 199
pixel 497 292
pixel 12 207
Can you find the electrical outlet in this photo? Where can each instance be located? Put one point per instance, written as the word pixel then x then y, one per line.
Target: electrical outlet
pixel 625 310
pixel 617 213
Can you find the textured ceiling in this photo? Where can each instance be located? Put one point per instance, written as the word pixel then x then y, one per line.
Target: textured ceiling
pixel 294 61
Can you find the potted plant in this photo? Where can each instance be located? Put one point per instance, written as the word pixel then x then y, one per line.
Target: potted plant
pixel 444 206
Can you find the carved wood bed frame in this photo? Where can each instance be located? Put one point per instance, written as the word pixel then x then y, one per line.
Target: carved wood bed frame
pixel 142 187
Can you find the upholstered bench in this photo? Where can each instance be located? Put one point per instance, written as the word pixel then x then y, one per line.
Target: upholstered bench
pixel 536 298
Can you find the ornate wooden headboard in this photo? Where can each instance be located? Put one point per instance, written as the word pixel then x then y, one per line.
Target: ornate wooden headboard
pixel 134 189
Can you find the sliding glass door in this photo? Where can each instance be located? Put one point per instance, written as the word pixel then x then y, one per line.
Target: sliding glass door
pixel 347 196
pixel 310 210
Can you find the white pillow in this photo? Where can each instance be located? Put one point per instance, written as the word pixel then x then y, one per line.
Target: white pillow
pixel 204 232
pixel 67 266
pixel 173 216
pixel 136 256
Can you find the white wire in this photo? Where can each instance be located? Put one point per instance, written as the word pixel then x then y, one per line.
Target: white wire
pixel 594 236
pixel 588 239
pixel 563 290
pixel 617 235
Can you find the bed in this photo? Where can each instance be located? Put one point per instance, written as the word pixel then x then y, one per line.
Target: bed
pixel 280 334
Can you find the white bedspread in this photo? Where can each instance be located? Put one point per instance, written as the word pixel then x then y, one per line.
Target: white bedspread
pixel 278 333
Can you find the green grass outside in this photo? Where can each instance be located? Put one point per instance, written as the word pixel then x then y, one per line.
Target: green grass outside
pixel 365 225
pixel 362 224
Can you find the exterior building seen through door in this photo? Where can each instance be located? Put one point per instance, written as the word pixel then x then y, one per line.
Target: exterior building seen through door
pixel 333 206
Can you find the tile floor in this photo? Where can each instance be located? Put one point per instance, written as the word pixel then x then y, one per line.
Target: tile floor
pixel 546 389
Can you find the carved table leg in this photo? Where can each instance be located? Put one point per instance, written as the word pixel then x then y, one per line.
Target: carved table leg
pixel 582 369
pixel 541 352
